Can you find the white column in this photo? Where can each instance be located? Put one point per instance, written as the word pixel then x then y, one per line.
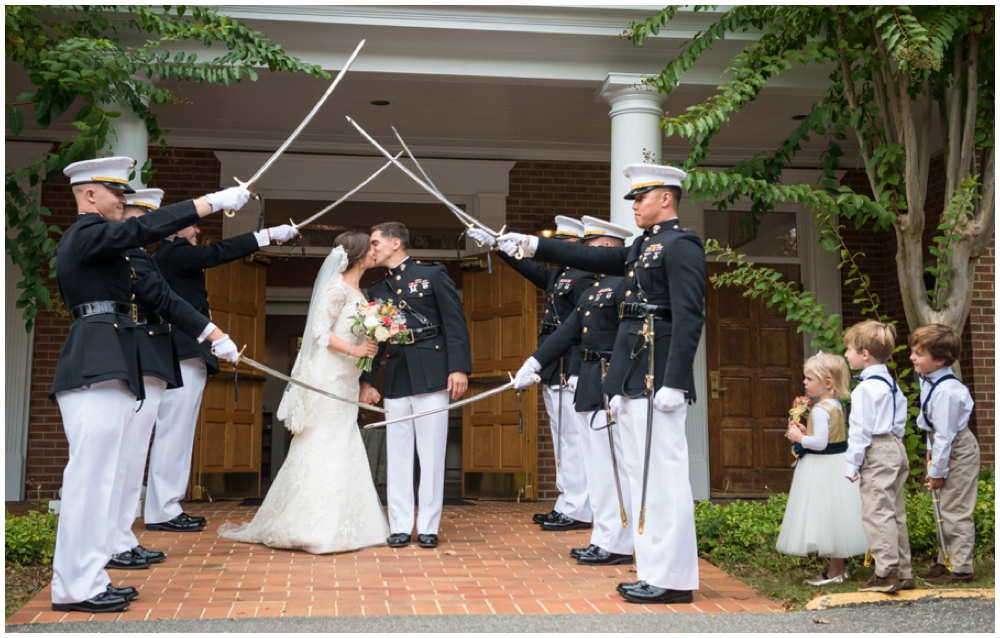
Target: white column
pixel 19 347
pixel 131 139
pixel 636 111
pixel 696 426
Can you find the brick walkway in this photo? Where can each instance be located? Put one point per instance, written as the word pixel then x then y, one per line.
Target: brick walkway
pixel 492 560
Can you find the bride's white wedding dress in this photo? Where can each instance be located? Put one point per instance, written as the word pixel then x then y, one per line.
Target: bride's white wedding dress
pixel 323 499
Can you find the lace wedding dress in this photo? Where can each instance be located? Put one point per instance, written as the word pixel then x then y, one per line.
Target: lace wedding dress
pixel 323 499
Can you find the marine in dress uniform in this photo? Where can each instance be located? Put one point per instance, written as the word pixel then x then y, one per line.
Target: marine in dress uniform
pixel 419 376
pixel 98 377
pixel 563 287
pixel 182 263
pixel 159 311
pixel 590 332
pixel 664 274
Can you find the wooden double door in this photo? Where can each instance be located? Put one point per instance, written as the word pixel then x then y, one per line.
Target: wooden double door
pixel 754 361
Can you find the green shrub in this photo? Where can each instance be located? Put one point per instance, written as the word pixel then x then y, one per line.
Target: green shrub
pixel 30 539
pixel 923 532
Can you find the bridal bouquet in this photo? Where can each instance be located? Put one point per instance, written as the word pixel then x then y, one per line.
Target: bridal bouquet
pixel 381 321
pixel 800 406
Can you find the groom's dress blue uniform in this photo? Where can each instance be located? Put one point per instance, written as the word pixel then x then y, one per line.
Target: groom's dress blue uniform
pixel 416 379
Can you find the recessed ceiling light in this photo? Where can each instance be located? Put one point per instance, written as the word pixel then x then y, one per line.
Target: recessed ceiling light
pixel 380 102
pixel 797 118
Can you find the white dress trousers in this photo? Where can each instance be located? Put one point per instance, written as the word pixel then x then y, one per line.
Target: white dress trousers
pixel 608 532
pixel 132 465
pixel 571 478
pixel 666 553
pixel 95 419
pixel 173 444
pixel 430 437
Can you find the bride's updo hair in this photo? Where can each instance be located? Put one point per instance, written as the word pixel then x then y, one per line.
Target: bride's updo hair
pixel 355 244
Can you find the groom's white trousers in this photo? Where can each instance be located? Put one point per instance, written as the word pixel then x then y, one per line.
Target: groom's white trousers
pixel 173 444
pixel 429 435
pixel 95 418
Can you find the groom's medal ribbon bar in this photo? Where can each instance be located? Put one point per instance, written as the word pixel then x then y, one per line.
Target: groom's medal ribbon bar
pixel 450 406
pixel 284 377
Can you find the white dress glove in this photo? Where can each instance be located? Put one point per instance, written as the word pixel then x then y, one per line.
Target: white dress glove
pixel 668 399
pixel 233 198
pixel 226 350
pixel 571 383
pixel 614 405
pixel 527 376
pixel 481 237
pixel 511 242
pixel 285 232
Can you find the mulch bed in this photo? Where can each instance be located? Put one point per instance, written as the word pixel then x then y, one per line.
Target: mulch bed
pixel 21 583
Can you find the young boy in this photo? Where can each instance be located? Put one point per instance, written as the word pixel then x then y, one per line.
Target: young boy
pixel 876 455
pixel 952 450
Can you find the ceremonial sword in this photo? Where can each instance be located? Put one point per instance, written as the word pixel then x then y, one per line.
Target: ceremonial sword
pixel 649 333
pixel 611 443
pixel 456 404
pixel 291 138
pixel 939 525
pixel 463 216
pixel 344 198
pixel 284 377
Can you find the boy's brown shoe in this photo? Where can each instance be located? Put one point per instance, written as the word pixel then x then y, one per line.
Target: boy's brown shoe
pixel 884 584
pixel 907 583
pixel 949 578
pixel 937 571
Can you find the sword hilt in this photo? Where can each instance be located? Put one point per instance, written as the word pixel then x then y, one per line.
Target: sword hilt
pixel 240 356
pixel 249 186
pixel 642 519
pixel 621 511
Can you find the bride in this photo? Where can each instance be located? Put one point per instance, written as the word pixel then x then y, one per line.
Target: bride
pixel 323 499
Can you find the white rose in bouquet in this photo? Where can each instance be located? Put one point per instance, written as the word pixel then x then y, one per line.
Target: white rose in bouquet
pixel 371 321
pixel 381 333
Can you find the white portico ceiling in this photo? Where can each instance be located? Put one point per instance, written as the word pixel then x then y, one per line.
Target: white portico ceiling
pixel 464 82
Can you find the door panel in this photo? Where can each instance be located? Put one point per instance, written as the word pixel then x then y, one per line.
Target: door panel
pixel 758 358
pixel 499 456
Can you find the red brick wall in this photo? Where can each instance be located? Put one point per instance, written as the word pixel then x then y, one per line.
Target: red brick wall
pixel 538 192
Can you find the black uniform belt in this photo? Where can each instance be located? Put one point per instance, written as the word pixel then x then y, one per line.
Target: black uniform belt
pixel 150 318
pixel 635 310
pixel 547 328
pixel 420 334
pixel 103 308
pixel 595 355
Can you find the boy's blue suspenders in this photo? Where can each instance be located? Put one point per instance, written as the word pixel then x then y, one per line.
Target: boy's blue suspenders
pixel 923 406
pixel 892 386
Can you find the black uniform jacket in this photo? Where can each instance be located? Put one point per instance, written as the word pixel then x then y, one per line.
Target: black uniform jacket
pixel 91 266
pixel 593 326
pixel 423 366
pixel 665 267
pixel 157 304
pixel 563 287
pixel 183 267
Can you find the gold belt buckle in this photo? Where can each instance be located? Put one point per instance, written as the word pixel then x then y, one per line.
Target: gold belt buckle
pixel 621 311
pixel 410 338
pixel 135 314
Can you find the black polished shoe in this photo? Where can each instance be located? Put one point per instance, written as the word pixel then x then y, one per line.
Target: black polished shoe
pixel 152 557
pixel 201 520
pixel 623 587
pixel 544 518
pixel 427 540
pixel 128 593
pixel 601 556
pixel 398 540
pixel 127 560
pixel 651 594
pixel 564 523
pixel 577 552
pixel 101 603
pixel 176 524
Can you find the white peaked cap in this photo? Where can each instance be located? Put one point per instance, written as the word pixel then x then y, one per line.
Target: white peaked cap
pixel 148 198
pixel 113 172
pixel 594 227
pixel 646 177
pixel 567 227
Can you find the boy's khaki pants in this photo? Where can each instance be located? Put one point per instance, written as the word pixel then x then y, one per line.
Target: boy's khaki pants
pixel 883 511
pixel 958 499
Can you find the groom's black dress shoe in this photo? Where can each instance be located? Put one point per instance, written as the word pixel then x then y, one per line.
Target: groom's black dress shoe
pixel 564 523
pixel 128 593
pixel 127 560
pixel 177 524
pixel 601 556
pixel 623 587
pixel 152 557
pixel 201 520
pixel 101 603
pixel 651 594
pixel 544 518
pixel 427 540
pixel 577 552
pixel 398 540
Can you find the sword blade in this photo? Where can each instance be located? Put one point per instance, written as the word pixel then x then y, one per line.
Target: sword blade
pixel 463 216
pixel 456 404
pixel 291 138
pixel 284 377
pixel 415 162
pixel 346 196
pixel 650 335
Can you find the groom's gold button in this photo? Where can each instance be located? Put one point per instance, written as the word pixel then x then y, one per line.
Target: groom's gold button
pixel 399 291
pixel 398 277
pixel 421 294
pixel 437 347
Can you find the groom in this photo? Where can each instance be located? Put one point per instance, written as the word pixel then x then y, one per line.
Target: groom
pixel 419 376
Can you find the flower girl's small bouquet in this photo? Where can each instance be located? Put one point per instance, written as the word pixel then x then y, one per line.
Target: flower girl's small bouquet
pixel 800 407
pixel 381 321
